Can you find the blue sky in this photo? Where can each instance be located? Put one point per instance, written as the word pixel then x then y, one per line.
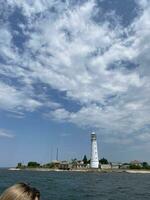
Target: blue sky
pixel 68 68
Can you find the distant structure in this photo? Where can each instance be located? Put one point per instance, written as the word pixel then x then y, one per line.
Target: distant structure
pixel 94 151
pixel 57 154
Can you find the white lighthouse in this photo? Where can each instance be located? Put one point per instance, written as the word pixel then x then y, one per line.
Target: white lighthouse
pixel 94 151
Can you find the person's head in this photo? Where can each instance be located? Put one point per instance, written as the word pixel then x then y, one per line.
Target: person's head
pixel 20 191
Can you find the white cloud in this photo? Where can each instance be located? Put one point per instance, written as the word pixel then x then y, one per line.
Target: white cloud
pixel 11 98
pixel 69 51
pixel 6 134
pixel 33 7
pixel 71 63
pixel 6 50
pixel 145 137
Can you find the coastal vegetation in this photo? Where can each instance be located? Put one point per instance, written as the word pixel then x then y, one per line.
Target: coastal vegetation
pixel 103 161
pixel 143 165
pixel 85 160
pixel 33 164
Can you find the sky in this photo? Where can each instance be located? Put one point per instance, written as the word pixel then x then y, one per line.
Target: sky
pixel 70 67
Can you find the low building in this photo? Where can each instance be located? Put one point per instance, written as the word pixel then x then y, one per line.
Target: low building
pixel 64 165
pixel 105 166
pixel 115 166
pixel 55 164
pixel 136 163
pixel 125 166
pixel 80 164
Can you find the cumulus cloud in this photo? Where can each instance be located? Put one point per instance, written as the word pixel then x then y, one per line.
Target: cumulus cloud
pixel 6 134
pixel 144 137
pixel 11 98
pixel 30 8
pixel 70 48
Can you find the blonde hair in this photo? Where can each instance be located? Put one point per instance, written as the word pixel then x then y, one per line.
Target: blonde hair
pixel 20 191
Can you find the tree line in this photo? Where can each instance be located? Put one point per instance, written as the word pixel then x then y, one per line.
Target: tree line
pixel 85 161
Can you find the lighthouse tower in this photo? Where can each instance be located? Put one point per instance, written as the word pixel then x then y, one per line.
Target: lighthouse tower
pixel 94 151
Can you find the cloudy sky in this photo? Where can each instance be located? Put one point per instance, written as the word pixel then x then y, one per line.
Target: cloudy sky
pixel 69 67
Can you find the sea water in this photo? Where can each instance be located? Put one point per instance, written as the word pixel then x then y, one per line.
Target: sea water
pixel 81 185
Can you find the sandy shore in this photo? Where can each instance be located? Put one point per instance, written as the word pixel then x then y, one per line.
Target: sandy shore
pixel 47 170
pixel 138 171
pixel 82 170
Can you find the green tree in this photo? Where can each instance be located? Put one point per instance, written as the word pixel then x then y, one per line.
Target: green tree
pixel 48 165
pixel 33 164
pixel 133 166
pixel 85 160
pixel 89 161
pixel 103 161
pixel 19 165
pixel 145 165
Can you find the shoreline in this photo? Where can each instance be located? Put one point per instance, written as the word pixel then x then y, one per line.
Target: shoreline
pixel 130 171
pixel 138 171
pixel 54 170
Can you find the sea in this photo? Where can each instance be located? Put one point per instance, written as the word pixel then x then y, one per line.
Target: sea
pixel 81 185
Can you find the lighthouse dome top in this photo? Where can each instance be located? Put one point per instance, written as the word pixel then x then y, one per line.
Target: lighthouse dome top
pixel 93 136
